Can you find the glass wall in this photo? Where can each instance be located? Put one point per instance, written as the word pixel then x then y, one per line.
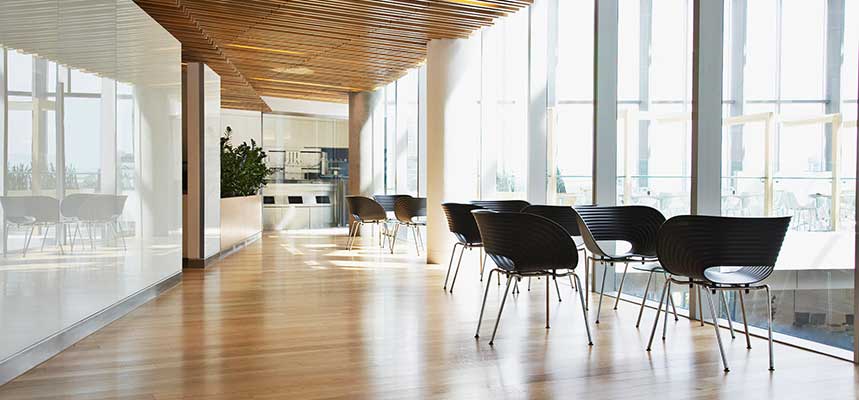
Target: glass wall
pixel 790 77
pixel 91 182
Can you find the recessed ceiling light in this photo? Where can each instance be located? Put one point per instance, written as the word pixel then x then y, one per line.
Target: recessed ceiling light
pixel 293 70
pixel 270 50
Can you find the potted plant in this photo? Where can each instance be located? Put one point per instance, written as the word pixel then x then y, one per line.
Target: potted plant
pixel 243 174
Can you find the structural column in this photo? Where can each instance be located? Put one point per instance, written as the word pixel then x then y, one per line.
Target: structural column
pixel 540 53
pixel 605 103
pixel 707 106
pixel 453 130
pixel 361 169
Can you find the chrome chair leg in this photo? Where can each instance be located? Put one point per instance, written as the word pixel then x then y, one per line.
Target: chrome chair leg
pixel 27 242
pixel 500 310
pixel 716 326
pixel 620 288
pixel 665 317
pixel 745 321
pixel 644 298
pixel 602 290
pixel 483 307
pixel 515 286
pixel 671 301
pixel 44 238
pixel 547 302
pixel 770 325
pixel 700 306
pixel 727 313
pixel 584 311
pixel 450 264
pixel 353 232
pixel 420 239
pixel 455 273
pixel 529 283
pixel 416 235
pixel 482 264
pixel 558 289
pixel 658 311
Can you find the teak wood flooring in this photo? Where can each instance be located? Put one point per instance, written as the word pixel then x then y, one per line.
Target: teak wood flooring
pixel 296 316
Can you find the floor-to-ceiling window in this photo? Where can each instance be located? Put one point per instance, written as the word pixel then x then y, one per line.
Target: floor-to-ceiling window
pixel 504 108
pixel 397 130
pixel 654 119
pixel 570 119
pixel 789 148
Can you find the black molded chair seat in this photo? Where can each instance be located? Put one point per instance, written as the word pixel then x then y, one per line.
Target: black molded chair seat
pixel 737 275
pixel 502 205
pixel 410 212
pixel 636 225
pixel 719 254
pixel 461 223
pixel 525 245
pixel 365 210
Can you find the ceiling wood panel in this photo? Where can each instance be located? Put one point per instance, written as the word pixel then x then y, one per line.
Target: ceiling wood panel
pixel 311 49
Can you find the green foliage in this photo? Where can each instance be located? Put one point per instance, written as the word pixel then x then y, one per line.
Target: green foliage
pixel 243 168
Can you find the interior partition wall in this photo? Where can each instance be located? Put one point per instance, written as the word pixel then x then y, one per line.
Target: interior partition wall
pixel 91 161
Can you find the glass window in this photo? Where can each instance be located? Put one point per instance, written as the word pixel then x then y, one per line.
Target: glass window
pixel 782 154
pixel 571 119
pixel 654 120
pixel 504 101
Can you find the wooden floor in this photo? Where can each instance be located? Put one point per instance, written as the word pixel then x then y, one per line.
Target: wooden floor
pixel 298 317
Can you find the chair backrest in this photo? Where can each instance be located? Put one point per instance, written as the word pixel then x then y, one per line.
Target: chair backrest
pixel 502 205
pixel 635 224
pixel 387 201
pixel 564 216
pixel 365 209
pixel 71 205
pixel 15 207
pixel 687 245
pixel 39 208
pixel 525 242
pixel 461 223
pixel 407 208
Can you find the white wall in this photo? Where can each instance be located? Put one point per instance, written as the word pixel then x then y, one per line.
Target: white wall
pixel 246 125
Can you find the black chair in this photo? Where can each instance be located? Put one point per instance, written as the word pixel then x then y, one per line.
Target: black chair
pixel 387 201
pixel 719 254
pixel 411 213
pixel 461 223
pixel 502 205
pixel 526 245
pixel 365 211
pixel 636 225
pixel 566 218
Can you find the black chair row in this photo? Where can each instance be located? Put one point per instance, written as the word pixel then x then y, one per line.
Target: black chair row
pixel 407 212
pixel 713 254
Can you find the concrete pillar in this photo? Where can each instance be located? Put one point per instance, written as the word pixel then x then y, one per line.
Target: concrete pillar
pixel 707 107
pixel 361 161
pixel 605 103
pixel 453 133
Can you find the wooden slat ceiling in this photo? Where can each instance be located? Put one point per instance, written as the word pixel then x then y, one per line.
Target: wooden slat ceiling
pixel 315 49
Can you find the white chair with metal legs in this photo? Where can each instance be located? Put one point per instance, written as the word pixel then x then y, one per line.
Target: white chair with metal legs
pixel 718 254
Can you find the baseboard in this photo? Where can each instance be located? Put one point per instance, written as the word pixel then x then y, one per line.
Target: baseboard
pixel 26 359
pixel 197 263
